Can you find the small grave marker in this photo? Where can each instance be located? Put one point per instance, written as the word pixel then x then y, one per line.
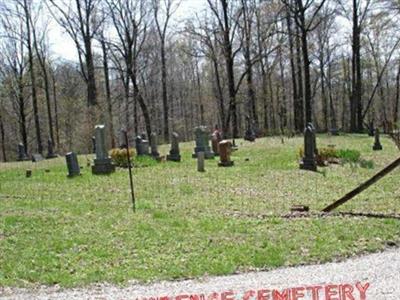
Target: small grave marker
pixel 154 146
pixel 50 150
pixel 37 157
pixel 22 153
pixel 377 144
pixel 225 150
pixel 200 161
pixel 72 164
pixel 174 153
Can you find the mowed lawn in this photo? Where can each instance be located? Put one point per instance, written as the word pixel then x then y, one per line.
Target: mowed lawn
pixel 73 232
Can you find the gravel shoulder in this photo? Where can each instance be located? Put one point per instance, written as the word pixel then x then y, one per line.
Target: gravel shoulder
pixel 380 270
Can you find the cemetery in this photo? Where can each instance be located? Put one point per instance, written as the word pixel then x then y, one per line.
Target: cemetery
pixel 199 144
pixel 64 225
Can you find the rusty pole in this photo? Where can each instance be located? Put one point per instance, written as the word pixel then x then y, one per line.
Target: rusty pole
pixel 363 186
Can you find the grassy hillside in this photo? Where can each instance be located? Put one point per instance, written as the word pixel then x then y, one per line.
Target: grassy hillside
pixel 57 230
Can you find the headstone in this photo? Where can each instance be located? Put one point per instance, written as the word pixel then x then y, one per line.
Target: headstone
pixel 37 157
pixel 22 153
pixel 50 150
pixel 225 150
pixel 200 161
pixel 234 146
pixel 174 153
pixel 314 137
pixel 142 145
pixel 72 164
pixel 202 142
pixel 334 131
pixel 249 134
pixel 371 128
pixel 308 162
pixel 215 139
pixel 93 144
pixel 102 162
pixel 377 145
pixel 154 147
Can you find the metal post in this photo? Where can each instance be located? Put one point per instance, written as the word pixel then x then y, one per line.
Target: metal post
pixel 130 170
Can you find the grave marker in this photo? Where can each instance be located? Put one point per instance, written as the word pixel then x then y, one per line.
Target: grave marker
pixel 50 150
pixel 216 138
pixel 377 144
pixel 142 145
pixel 200 161
pixel 225 150
pixel 174 153
pixel 202 143
pixel 72 164
pixel 37 157
pixel 22 153
pixel 308 162
pixel 102 162
pixel 250 134
pixel 154 146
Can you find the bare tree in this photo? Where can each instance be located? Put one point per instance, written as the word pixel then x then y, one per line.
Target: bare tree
pixel 80 19
pixel 305 15
pixel 167 8
pixel 130 23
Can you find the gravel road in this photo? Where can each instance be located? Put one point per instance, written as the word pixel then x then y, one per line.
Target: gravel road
pixel 346 280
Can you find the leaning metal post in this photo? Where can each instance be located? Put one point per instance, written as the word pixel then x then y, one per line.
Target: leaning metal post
pixel 130 170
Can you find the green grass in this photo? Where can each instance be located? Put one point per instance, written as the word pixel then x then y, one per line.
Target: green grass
pixel 73 232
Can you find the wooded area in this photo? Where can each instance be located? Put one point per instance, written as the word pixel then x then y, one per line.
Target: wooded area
pixel 273 65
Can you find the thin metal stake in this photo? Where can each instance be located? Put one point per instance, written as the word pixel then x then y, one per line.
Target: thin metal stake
pixel 130 170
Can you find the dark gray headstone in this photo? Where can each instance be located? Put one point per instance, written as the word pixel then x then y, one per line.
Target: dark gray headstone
pixel 50 150
pixel 334 131
pixel 22 153
pixel 72 164
pixel 142 145
pixel 154 146
pixel 102 162
pixel 314 137
pixel 202 142
pixel 37 157
pixel 371 128
pixel 377 144
pixel 174 153
pixel 93 144
pixel 308 162
pixel 250 135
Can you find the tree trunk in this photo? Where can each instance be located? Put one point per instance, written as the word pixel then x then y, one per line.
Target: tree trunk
pixel 229 70
pixel 33 79
pixel 397 99
pixel 282 110
pixel 295 94
pixel 323 92
pixel 22 116
pixel 91 79
pixel 356 105
pixel 306 66
pixel 164 90
pixel 3 138
pixel 299 106
pixel 56 109
pixel 108 92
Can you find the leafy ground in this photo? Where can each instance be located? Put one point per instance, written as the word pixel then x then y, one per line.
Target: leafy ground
pixel 72 232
